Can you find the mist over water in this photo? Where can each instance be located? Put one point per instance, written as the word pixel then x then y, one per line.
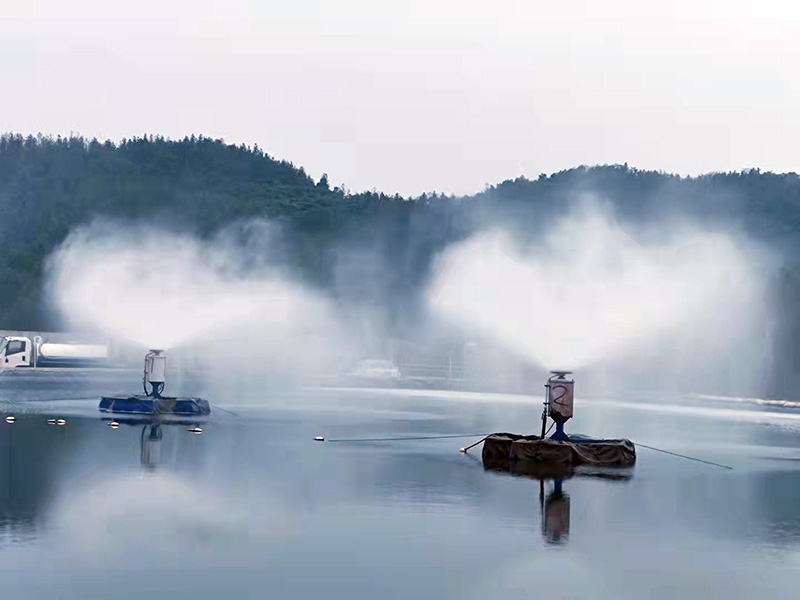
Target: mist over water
pixel 590 292
pixel 675 301
pixel 226 301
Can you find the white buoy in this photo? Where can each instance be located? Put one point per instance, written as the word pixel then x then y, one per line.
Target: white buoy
pixel 113 425
pixel 61 422
pixel 51 421
pixel 319 438
pixel 196 430
pixel 10 419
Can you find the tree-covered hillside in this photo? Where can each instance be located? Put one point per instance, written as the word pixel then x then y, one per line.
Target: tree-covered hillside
pixel 49 186
pixel 369 247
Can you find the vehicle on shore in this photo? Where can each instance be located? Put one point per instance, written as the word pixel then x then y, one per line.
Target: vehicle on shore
pixel 19 352
pixel 376 372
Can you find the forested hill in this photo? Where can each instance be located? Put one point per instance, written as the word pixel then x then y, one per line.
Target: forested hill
pixel 49 186
pixel 335 238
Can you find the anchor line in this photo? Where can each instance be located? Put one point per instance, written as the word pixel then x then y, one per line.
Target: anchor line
pixel 63 399
pixel 396 439
pixel 465 450
pixel 230 412
pixel 700 460
pixel 483 437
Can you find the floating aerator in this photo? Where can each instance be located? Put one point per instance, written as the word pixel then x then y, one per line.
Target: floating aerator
pixel 557 456
pixel 152 402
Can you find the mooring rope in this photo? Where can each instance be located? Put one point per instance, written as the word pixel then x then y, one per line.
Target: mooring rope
pixel 464 450
pixel 230 412
pixel 62 399
pixel 708 462
pixel 483 437
pixel 396 439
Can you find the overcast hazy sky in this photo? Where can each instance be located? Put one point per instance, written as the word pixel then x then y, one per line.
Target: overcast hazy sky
pixel 419 95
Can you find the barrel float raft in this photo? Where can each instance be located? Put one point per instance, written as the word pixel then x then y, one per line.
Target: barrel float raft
pixel 560 454
pixel 532 455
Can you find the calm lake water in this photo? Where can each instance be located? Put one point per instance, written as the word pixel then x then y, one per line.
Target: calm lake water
pixel 254 508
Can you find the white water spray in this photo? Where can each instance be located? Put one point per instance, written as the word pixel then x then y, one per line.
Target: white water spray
pixel 588 292
pixel 220 300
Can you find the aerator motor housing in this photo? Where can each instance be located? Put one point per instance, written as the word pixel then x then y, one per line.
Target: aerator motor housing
pixel 559 402
pixel 155 373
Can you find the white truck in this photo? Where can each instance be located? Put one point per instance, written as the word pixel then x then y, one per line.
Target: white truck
pixel 20 352
pixel 376 371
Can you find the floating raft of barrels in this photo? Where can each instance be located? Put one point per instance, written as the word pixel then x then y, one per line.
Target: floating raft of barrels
pixel 532 455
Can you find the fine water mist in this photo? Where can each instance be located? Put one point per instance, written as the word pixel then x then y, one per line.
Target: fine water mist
pixel 224 303
pixel 590 292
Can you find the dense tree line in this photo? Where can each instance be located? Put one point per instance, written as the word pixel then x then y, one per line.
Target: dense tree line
pixel 370 247
pixel 48 186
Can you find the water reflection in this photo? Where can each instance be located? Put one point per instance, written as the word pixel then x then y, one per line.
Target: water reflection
pixel 152 433
pixel 32 456
pixel 259 505
pixel 555 513
pixel 151 445
pixel 555 504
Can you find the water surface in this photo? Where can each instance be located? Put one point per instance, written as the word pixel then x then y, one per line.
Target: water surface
pixel 254 508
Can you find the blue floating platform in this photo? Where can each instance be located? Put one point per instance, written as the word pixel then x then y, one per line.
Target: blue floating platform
pixel 146 405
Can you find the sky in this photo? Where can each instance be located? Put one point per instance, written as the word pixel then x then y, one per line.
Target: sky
pixel 418 95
